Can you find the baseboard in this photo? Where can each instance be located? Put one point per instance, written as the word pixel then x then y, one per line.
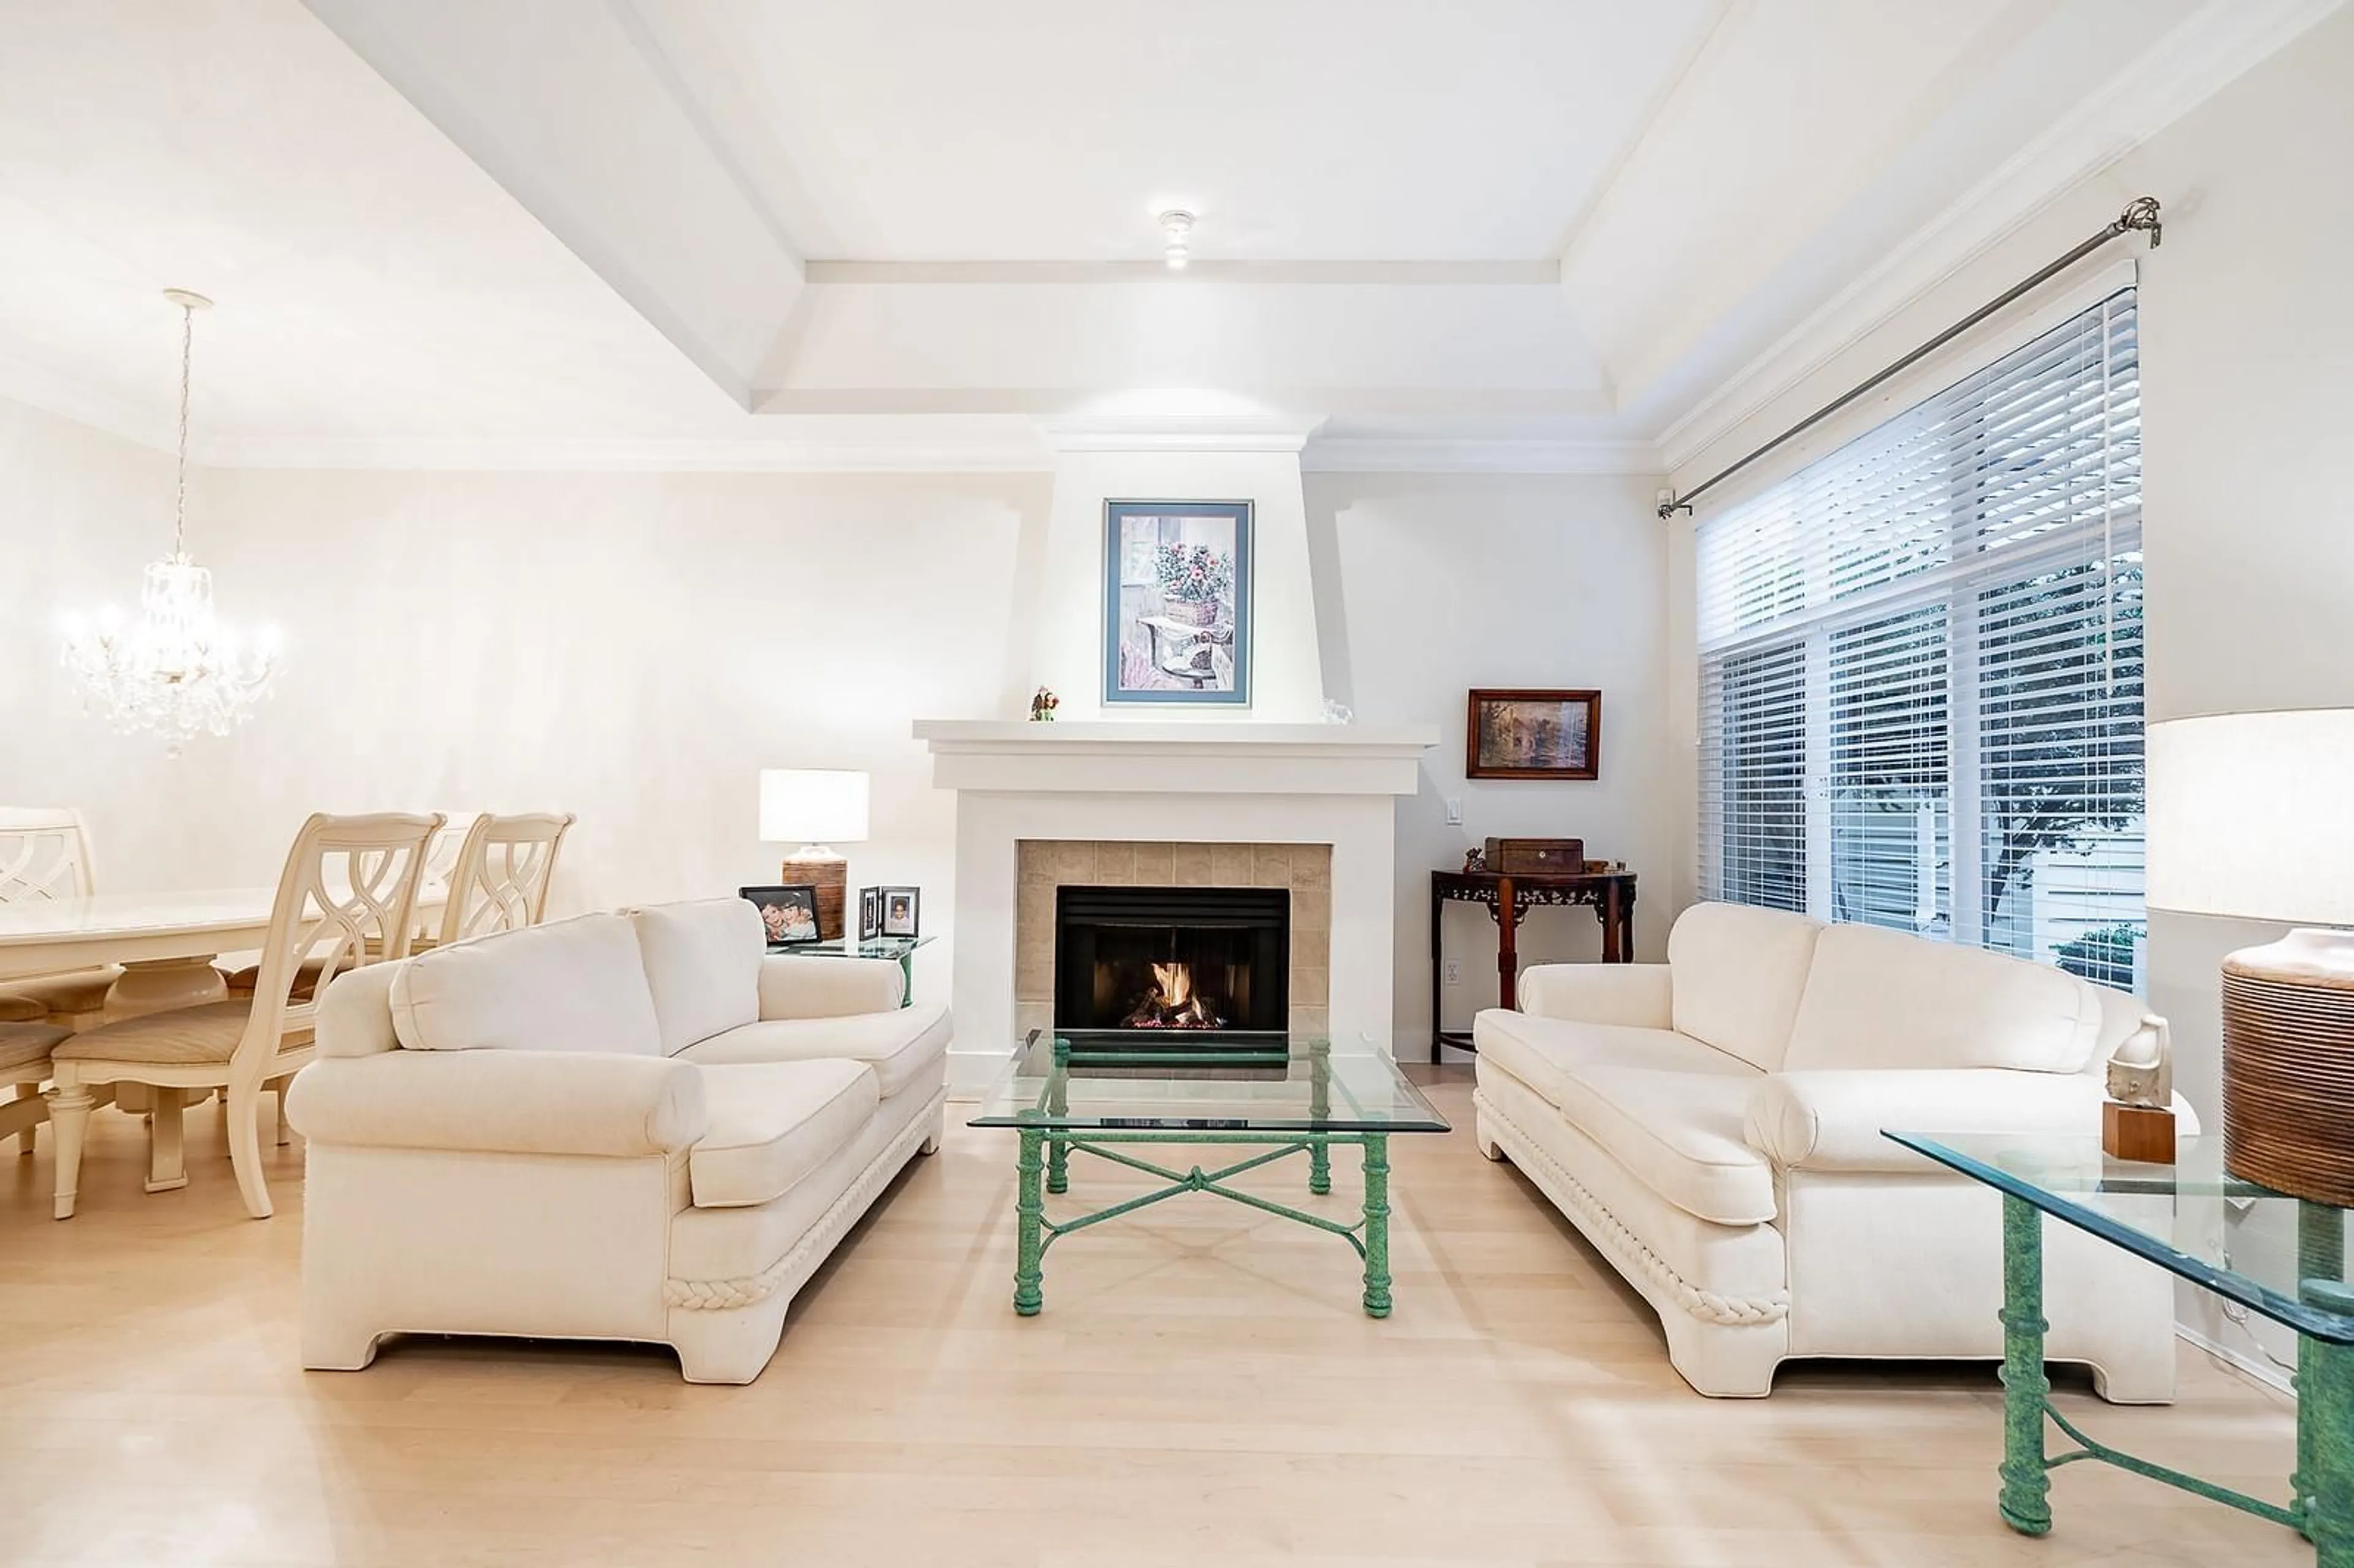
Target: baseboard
pixel 2258 1367
pixel 972 1074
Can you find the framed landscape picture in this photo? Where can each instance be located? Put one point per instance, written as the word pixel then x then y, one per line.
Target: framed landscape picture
pixel 1533 734
pixel 1177 602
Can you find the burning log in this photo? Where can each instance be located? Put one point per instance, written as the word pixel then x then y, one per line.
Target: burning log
pixel 1173 1004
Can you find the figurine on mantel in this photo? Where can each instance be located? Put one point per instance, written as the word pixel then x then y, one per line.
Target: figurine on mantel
pixel 1043 704
pixel 2137 1119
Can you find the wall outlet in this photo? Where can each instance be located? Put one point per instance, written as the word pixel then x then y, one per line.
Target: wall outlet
pixel 1455 810
pixel 1454 972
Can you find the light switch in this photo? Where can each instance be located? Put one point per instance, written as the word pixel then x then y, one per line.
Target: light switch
pixel 1455 810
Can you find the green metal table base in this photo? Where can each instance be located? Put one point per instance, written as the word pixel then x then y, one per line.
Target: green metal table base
pixel 2321 1499
pixel 1043 1167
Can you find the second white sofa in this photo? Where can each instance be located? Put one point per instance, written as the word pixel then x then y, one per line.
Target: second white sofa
pixel 624 1127
pixel 1713 1126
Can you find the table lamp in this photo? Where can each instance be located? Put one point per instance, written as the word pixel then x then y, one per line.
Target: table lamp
pixel 2251 816
pixel 816 808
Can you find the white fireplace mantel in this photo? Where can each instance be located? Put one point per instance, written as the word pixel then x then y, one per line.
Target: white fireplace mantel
pixel 1216 782
pixel 1180 758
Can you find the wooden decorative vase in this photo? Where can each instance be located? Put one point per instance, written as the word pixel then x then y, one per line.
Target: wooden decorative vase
pixel 2288 1066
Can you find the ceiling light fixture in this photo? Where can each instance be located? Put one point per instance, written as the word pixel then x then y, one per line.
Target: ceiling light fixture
pixel 177 670
pixel 1177 224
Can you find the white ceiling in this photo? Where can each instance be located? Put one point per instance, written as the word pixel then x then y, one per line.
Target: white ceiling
pixel 1055 129
pixel 810 232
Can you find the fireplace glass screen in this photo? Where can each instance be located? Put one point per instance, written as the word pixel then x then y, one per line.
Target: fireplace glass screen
pixel 1172 963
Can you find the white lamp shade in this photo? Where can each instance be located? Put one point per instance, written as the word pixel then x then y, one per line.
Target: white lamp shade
pixel 812 806
pixel 2252 815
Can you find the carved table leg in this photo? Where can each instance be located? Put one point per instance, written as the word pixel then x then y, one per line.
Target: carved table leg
pixel 1377 1224
pixel 2026 1485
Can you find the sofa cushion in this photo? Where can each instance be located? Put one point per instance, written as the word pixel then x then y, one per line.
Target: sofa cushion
pixel 898 1044
pixel 569 985
pixel 1738 974
pixel 771 1124
pixel 1540 1051
pixel 703 965
pixel 1883 998
pixel 1668 1108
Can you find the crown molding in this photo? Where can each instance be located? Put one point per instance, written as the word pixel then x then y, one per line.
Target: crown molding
pixel 1015 455
pixel 1540 273
pixel 2216 44
pixel 1361 454
pixel 1177 433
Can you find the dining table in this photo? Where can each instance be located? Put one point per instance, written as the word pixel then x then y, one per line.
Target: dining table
pixel 166 942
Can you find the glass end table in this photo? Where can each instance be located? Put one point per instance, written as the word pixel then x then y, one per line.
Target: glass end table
pixel 901 950
pixel 1099 1093
pixel 2184 1233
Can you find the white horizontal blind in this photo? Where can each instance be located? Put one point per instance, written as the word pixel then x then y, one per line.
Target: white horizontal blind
pixel 1921 698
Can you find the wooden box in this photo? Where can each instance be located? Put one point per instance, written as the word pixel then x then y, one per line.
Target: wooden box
pixel 1520 857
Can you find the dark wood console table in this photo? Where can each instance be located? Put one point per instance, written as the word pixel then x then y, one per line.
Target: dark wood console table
pixel 1610 894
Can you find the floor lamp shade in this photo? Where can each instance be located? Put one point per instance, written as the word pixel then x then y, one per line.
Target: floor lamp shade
pixel 2251 816
pixel 815 808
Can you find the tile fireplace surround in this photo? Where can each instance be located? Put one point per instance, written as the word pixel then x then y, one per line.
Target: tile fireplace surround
pixel 1209 794
pixel 1041 865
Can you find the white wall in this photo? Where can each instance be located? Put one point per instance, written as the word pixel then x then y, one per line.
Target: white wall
pixel 81 513
pixel 1430 586
pixel 2247 392
pixel 636 647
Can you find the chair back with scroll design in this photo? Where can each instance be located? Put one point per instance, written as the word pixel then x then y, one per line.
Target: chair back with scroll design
pixel 500 881
pixel 347 897
pixel 43 853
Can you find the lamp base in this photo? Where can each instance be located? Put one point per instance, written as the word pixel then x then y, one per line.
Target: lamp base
pixel 828 873
pixel 2288 1066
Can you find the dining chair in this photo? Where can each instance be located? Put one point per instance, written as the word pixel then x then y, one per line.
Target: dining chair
pixel 25 1061
pixel 44 854
pixel 346 898
pixel 242 972
pixel 499 879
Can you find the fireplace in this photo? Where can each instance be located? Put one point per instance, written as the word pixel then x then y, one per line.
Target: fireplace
pixel 1168 968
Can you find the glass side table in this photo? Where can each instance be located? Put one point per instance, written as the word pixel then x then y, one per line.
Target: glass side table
pixel 899 950
pixel 2068 1178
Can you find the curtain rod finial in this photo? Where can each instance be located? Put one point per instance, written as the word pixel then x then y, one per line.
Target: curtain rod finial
pixel 2142 213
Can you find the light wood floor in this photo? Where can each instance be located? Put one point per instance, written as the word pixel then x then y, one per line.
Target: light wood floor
pixel 1201 1390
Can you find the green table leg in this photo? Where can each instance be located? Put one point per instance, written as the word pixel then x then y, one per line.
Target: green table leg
pixel 2320 1254
pixel 1319 1106
pixel 1030 1209
pixel 2324 1437
pixel 2026 1487
pixel 1377 1224
pixel 1058 1104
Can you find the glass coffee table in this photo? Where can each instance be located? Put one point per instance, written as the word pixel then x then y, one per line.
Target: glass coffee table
pixel 1079 1094
pixel 2174 1217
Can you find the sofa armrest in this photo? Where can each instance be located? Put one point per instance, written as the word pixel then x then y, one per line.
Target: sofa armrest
pixel 501 1102
pixel 1833 1120
pixel 1636 995
pixel 828 988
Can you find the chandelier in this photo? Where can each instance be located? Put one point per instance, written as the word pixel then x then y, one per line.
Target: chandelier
pixel 177 670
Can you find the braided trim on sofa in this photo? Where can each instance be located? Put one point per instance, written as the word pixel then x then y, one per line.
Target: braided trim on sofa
pixel 750 1290
pixel 1625 1247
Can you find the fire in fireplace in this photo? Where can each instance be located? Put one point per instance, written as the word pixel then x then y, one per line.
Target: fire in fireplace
pixel 1173 1004
pixel 1205 961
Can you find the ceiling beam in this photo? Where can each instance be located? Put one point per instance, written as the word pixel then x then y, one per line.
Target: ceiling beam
pixel 570 108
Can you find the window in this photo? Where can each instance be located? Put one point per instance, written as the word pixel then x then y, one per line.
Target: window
pixel 1920 667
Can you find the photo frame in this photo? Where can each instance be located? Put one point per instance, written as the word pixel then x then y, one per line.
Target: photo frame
pixel 788 911
pixel 1539 733
pixel 870 914
pixel 1177 602
pixel 901 911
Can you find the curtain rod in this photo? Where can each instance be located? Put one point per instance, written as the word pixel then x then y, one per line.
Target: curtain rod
pixel 2141 213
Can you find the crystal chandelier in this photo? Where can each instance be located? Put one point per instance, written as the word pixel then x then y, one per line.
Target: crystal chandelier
pixel 176 670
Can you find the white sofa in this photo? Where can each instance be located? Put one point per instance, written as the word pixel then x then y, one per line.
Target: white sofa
pixel 623 1126
pixel 1712 1125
